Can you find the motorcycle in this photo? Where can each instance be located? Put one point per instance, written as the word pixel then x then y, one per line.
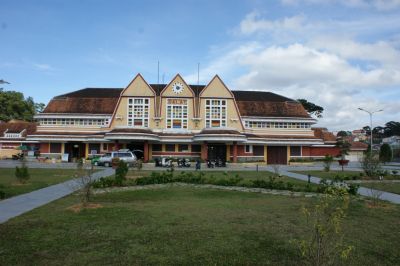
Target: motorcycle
pixel 210 164
pixel 166 162
pixel 183 162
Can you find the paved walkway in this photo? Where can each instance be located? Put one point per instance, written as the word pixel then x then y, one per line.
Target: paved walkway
pixel 12 207
pixel 394 198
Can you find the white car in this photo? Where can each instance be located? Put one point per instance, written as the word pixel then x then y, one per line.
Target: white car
pixel 125 156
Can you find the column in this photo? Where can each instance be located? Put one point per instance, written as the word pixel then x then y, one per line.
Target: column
pixel 204 151
pixel 265 153
pixel 116 146
pixel 228 152
pixel 86 150
pixel 234 152
pixel 288 154
pixel 146 151
pixel 150 151
pixel 62 148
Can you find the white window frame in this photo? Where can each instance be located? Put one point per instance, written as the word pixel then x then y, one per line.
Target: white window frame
pixel 250 148
pixel 252 124
pixel 184 120
pixel 222 103
pixel 130 118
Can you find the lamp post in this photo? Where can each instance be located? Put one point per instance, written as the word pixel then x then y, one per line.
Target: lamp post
pixel 370 119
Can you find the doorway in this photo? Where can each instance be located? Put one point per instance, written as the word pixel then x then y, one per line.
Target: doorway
pixel 277 155
pixel 76 150
pixel 216 151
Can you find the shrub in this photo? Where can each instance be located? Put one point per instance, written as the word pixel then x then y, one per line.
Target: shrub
pixel 120 172
pixel 385 153
pixel 394 172
pixel 104 182
pixel 328 160
pixel 22 173
pixel 370 164
pixel 353 189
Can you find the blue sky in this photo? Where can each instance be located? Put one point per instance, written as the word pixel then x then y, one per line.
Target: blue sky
pixel 339 54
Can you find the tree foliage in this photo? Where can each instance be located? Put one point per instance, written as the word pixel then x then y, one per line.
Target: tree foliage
pixel 324 245
pixel 311 108
pixel 13 105
pixel 343 133
pixel 385 153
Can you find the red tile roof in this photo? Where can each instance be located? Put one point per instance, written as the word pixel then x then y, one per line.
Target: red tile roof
pixel 17 126
pixel 104 100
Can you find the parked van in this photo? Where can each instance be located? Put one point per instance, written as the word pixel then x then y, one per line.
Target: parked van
pixel 125 156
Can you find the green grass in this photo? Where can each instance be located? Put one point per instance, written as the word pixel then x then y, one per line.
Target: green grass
pixel 183 226
pixel 246 175
pixel 389 187
pixel 331 174
pixel 39 178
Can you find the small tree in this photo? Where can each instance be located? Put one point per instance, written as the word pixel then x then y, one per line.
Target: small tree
pixel 22 173
pixel 324 246
pixel 120 172
pixel 370 164
pixel 385 153
pixel 85 181
pixel 344 147
pixel 328 160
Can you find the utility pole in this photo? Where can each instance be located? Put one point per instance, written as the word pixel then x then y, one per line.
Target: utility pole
pixel 370 120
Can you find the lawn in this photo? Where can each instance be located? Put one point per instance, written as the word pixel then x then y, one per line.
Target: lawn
pixel 246 175
pixel 183 226
pixel 331 174
pixel 39 178
pixel 389 187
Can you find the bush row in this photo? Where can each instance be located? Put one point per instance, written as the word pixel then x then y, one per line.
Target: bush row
pixel 200 178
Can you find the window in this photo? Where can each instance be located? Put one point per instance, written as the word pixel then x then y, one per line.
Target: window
pixel 72 122
pixel 177 113
pixel 138 112
pixel 258 150
pixel 295 150
pixel 262 124
pixel 105 148
pixel 55 147
pixel 156 147
pixel 183 147
pixel 170 147
pixel 215 113
pixel 196 148
pixel 248 149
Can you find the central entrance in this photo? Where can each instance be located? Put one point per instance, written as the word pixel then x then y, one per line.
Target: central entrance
pixel 137 148
pixel 216 151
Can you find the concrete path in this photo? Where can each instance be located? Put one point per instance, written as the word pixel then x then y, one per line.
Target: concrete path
pixel 394 198
pixel 12 207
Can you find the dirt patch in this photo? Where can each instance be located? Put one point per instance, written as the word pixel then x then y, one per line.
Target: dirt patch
pixel 18 184
pixel 79 207
pixel 380 205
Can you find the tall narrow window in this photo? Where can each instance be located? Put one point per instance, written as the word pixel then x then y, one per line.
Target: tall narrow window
pixel 177 113
pixel 138 112
pixel 215 113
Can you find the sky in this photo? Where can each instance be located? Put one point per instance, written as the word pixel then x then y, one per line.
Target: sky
pixel 339 54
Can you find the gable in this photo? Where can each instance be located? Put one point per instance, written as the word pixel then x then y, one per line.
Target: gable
pixel 216 89
pixel 177 88
pixel 138 87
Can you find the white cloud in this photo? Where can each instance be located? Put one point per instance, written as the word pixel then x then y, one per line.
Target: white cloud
pixel 43 67
pixel 382 5
pixel 253 23
pixel 295 57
